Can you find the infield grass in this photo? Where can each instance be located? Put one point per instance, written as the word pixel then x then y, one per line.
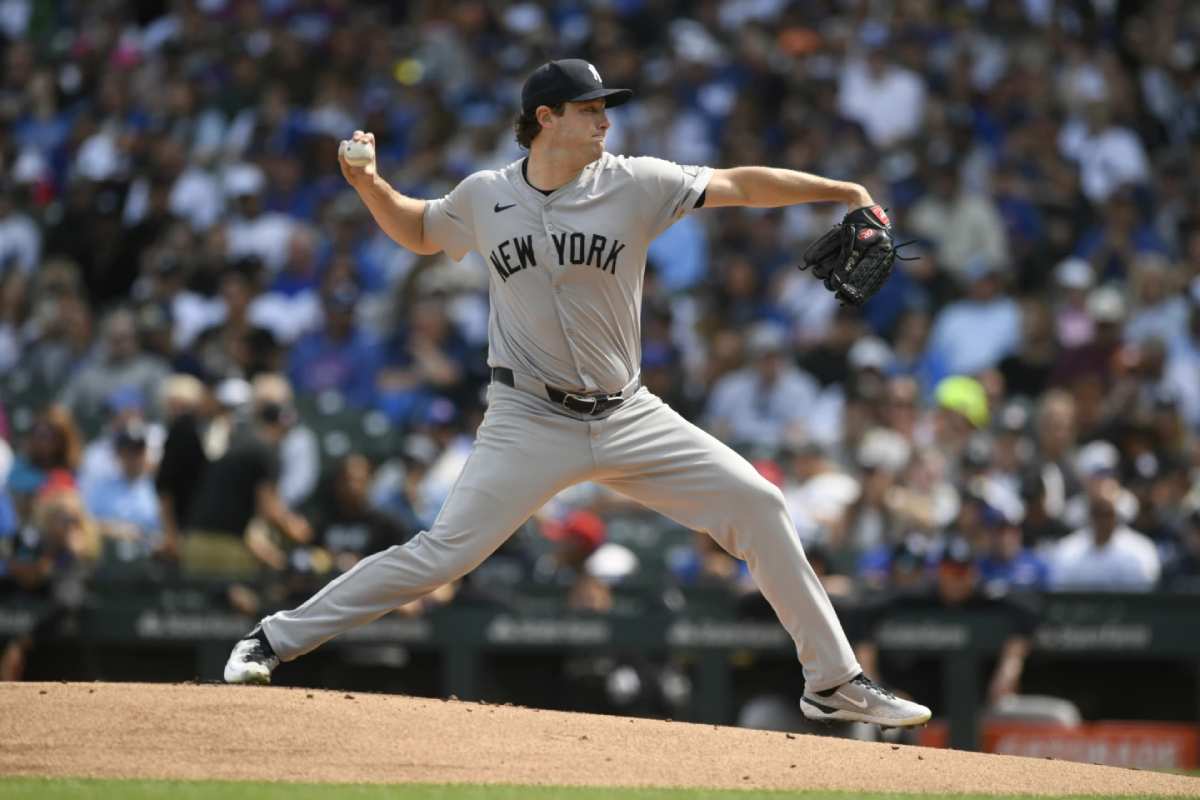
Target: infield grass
pixel 75 789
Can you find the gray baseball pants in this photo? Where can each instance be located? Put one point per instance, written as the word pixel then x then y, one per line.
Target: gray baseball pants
pixel 526 451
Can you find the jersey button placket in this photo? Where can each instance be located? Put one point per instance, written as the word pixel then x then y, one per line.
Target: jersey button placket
pixel 555 271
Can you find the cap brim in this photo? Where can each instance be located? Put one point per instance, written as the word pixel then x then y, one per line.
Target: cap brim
pixel 612 97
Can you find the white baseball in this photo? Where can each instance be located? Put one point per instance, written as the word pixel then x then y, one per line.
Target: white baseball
pixel 357 153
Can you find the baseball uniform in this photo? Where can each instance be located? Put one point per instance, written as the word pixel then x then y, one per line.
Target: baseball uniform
pixel 565 406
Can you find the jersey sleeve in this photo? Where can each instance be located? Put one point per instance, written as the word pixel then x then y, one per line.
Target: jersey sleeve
pixel 671 190
pixel 450 221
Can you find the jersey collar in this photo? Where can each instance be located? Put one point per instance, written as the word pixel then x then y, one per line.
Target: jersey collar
pixel 581 181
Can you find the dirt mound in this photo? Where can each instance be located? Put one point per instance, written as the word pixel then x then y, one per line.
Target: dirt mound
pixel 129 730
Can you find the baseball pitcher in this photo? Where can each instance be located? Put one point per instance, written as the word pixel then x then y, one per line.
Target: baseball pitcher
pixel 564 232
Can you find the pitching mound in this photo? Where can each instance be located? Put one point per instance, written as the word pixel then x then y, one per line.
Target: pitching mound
pixel 127 730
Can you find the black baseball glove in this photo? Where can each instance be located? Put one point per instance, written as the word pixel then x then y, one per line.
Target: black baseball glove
pixel 854 258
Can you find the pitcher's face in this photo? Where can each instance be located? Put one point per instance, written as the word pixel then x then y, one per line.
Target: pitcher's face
pixel 582 127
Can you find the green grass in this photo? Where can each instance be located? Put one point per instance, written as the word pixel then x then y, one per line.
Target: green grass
pixel 74 789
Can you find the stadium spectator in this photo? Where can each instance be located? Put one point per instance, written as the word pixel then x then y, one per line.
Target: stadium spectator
pixel 290 305
pixel 1121 235
pixel 252 230
pixel 1006 564
pixel 441 421
pixel 766 402
pixel 396 486
pixel 1160 483
pixel 703 564
pixel 59 332
pixel 300 457
pixel 876 519
pixel 53 555
pixel 233 346
pixel 1182 570
pixel 887 99
pixel 20 236
pixel 1026 371
pixel 1183 366
pixel 739 296
pixel 1072 323
pixel 1097 463
pixel 975 333
pixel 9 523
pixel 238 486
pixel 911 355
pixel 818 494
pixel 582 562
pixel 1012 447
pixel 13 312
pixel 1160 310
pixel 902 406
pixel 117 362
pixel 663 369
pixel 426 357
pixel 348 528
pixel 961 410
pixel 1041 529
pixel 962 226
pixel 48 460
pixel 1110 156
pixel 124 504
pixel 1106 555
pixel 124 406
pixel 1056 432
pixel 339 356
pixel 183 463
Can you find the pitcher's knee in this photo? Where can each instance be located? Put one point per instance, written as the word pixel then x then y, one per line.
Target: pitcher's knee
pixel 755 508
pixel 759 496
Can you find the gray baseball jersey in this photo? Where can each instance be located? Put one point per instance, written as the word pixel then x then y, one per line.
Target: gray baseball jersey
pixel 566 268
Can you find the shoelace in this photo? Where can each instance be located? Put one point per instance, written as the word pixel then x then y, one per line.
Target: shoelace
pixel 256 652
pixel 870 685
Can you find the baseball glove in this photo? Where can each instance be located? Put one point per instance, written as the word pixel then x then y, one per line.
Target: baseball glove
pixel 854 258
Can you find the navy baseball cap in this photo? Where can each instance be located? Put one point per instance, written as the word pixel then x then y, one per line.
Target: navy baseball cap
pixel 565 81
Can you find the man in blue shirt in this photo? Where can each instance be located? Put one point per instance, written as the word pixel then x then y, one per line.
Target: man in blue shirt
pixel 339 356
pixel 1007 564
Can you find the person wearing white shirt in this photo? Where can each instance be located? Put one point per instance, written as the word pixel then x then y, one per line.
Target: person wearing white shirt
pixel 1109 156
pixel 20 237
pixel 1160 310
pixel 886 99
pixel 963 226
pixel 253 231
pixel 1105 555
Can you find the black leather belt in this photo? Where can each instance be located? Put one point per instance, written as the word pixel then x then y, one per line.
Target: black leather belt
pixel 579 403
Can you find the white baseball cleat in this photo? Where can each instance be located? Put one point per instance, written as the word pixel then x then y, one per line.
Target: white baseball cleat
pixel 251 660
pixel 863 700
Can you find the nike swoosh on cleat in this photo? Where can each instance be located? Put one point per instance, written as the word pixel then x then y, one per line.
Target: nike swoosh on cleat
pixel 856 703
pixel 498 208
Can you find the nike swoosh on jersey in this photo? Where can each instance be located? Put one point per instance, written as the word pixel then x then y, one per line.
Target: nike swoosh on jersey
pixel 498 208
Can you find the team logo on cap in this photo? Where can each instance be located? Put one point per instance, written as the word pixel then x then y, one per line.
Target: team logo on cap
pixel 595 74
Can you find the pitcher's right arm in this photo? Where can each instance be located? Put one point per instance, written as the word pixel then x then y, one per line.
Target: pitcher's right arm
pixel 401 217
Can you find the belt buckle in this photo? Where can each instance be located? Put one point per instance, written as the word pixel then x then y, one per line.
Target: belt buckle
pixel 579 398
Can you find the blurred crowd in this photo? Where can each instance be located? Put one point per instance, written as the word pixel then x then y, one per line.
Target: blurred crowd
pixel 189 290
